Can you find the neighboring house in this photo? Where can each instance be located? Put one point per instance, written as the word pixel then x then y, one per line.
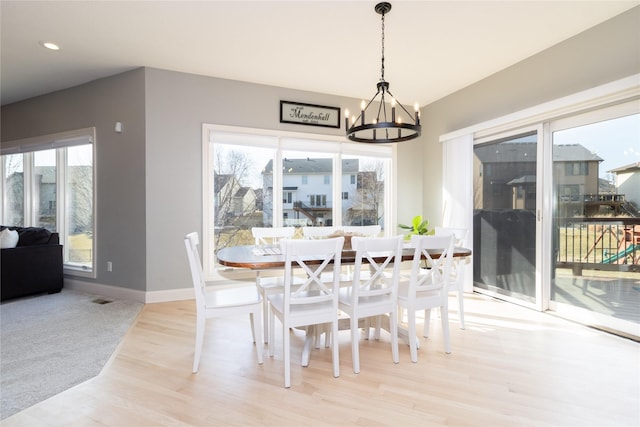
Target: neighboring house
pixel 508 174
pixel 232 200
pixel 46 188
pixel 79 194
pixel 627 181
pixel 308 192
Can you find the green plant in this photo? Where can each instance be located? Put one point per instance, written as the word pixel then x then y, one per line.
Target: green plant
pixel 418 226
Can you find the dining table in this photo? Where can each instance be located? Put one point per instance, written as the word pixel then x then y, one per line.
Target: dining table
pixel 270 257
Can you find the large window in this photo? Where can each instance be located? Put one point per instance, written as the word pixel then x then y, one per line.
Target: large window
pixel 49 182
pixel 333 184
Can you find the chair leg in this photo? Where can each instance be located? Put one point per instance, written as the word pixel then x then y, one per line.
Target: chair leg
pixel 355 345
pixel 366 328
pixel 265 317
pixel 427 322
pixel 461 304
pixel 413 338
pixel 445 329
pixel 378 327
pixel 271 332
pixel 286 355
pixel 256 327
pixel 335 349
pixel 200 324
pixel 253 328
pixel 393 328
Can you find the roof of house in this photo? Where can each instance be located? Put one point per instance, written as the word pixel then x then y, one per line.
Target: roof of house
pixel 527 152
pixel 313 166
pixel 633 167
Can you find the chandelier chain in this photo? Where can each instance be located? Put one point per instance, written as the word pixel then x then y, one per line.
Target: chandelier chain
pixel 382 62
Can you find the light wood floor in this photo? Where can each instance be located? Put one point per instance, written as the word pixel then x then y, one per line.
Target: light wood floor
pixel 510 367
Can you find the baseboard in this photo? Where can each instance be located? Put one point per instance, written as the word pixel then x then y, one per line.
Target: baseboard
pixel 145 297
pixel 104 290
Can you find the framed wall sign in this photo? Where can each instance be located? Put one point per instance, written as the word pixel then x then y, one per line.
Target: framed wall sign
pixel 309 114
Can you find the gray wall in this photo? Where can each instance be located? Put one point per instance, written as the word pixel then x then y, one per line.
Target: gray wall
pixel 604 53
pixel 120 164
pixel 149 177
pixel 177 106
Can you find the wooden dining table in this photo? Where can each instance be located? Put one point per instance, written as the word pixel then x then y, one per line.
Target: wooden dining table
pixel 258 257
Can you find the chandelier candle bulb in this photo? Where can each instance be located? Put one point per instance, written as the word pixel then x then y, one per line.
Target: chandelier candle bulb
pixel 393 110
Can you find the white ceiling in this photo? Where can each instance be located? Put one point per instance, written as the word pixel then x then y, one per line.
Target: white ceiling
pixel 432 48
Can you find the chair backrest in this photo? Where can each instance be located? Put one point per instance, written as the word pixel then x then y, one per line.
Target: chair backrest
pixel 319 232
pixel 383 255
pixel 191 242
pixel 460 234
pixel 314 257
pixel 363 230
pixel 438 253
pixel 271 235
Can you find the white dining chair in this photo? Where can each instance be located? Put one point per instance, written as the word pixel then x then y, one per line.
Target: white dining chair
pixel 269 284
pixel 315 302
pixel 456 278
pixel 373 294
pixel 220 303
pixel 427 287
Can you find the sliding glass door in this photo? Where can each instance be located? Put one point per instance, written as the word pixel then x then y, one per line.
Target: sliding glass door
pixel 596 212
pixel 505 174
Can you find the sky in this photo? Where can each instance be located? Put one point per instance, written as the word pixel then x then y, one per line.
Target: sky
pixel 617 141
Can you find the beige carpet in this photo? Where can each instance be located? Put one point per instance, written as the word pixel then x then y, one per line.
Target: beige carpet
pixel 49 343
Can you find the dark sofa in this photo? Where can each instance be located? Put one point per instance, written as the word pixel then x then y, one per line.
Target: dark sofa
pixel 33 266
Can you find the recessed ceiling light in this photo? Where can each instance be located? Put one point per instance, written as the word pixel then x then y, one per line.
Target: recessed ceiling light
pixel 50 45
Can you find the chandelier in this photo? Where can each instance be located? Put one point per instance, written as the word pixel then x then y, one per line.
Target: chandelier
pixel 383 127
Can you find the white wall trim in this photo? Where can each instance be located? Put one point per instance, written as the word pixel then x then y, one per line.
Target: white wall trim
pixel 104 290
pixel 168 295
pixel 609 93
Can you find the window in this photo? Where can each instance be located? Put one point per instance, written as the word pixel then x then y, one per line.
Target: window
pixel 318 200
pixel 49 182
pixel 46 189
pixel 13 190
pixel 576 169
pixel 338 183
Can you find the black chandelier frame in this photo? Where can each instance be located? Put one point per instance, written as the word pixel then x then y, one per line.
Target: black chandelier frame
pixel 381 130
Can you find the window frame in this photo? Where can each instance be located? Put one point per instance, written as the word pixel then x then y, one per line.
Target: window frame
pixel 280 141
pixel 59 142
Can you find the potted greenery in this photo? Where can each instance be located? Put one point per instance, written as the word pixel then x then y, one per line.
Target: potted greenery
pixel 418 226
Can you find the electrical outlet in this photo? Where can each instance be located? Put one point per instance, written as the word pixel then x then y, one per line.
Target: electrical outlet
pixel 109 266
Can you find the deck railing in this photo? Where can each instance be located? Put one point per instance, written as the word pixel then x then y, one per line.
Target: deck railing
pixel 600 243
